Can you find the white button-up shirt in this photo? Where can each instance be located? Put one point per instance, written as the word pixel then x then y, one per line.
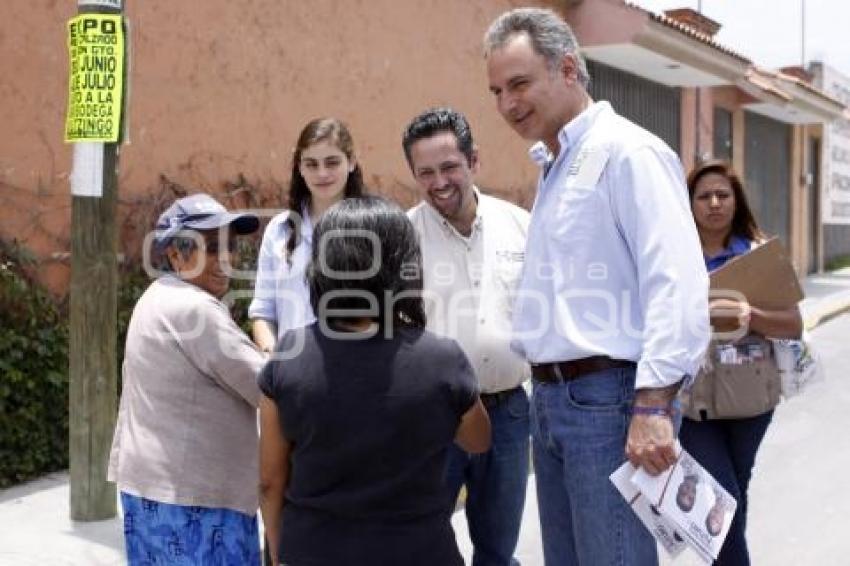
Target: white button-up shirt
pixel 281 295
pixel 613 263
pixel 469 285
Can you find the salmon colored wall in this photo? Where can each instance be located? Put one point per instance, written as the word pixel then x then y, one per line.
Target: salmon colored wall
pixel 689 151
pixel 604 22
pixel 221 88
pixel 34 164
pixel 687 143
pixel 727 97
pixel 798 206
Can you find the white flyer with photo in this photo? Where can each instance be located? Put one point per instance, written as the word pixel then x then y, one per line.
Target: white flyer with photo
pixel 692 501
pixel 662 529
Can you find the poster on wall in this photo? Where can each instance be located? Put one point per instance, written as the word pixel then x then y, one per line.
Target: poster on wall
pixel 836 151
pixel 95 85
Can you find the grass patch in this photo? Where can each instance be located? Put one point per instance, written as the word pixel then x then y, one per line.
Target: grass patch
pixel 839 262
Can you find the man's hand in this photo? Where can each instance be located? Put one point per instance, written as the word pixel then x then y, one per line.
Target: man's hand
pixel 651 440
pixel 650 443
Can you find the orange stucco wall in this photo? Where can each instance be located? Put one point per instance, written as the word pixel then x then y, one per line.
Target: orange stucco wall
pixel 603 22
pixel 221 88
pixel 689 151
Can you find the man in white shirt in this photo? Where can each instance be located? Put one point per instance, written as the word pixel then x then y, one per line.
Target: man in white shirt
pixel 612 308
pixel 472 255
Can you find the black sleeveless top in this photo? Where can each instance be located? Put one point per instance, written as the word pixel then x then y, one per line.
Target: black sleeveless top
pixel 370 421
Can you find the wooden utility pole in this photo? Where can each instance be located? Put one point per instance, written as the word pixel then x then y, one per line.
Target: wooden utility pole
pixel 96 43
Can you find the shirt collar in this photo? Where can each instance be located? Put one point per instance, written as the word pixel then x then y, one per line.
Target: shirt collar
pixel 737 246
pixel 570 134
pixel 540 154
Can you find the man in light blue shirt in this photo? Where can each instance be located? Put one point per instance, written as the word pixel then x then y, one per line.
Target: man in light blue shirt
pixel 612 309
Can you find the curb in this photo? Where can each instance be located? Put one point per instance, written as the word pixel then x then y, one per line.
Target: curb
pixel 827 309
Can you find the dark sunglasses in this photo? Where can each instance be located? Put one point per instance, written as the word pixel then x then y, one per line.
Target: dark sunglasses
pixel 214 246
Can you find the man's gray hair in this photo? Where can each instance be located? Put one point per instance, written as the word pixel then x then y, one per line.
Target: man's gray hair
pixel 550 37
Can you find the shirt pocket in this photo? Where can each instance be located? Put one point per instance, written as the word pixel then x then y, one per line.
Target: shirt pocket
pixel 508 269
pixel 507 273
pixel 577 214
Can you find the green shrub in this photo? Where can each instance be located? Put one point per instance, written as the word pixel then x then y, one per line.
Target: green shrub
pixel 33 373
pixel 34 366
pixel 245 260
pixel 839 262
pixel 132 282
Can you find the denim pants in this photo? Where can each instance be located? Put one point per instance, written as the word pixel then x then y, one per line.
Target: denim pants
pixel 727 449
pixel 495 482
pixel 579 435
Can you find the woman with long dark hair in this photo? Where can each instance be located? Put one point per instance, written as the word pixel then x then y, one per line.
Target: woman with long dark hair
pixel 360 407
pixel 731 404
pixel 324 171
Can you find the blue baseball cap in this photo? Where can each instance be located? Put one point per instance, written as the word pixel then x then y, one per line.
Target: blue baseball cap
pixel 200 212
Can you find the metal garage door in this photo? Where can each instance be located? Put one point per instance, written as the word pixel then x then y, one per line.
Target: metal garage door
pixel 767 161
pixel 654 106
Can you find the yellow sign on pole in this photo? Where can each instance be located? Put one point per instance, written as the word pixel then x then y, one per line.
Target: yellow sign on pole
pixel 95 86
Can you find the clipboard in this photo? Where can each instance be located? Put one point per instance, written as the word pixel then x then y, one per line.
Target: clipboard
pixel 764 275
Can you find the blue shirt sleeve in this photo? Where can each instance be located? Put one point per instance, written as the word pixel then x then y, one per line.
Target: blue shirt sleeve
pixel 653 214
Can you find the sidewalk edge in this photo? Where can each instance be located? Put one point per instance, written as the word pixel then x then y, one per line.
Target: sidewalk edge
pixel 831 308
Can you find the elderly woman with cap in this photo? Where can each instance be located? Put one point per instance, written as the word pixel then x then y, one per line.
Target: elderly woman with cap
pixel 184 454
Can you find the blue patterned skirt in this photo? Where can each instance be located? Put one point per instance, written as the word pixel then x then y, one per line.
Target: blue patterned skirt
pixel 157 534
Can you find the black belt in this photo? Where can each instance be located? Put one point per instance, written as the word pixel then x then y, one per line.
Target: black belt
pixel 493 399
pixel 561 372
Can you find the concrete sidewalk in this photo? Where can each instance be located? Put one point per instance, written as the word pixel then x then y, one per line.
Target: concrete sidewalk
pixel 35 528
pixel 827 296
pixel 34 518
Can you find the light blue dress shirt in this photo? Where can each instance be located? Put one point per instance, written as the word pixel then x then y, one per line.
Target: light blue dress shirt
pixel 613 263
pixel 281 295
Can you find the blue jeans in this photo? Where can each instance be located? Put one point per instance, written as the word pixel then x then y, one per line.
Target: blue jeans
pixel 495 482
pixel 727 449
pixel 579 435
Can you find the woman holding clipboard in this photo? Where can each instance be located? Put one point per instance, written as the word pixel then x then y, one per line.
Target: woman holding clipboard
pixel 730 407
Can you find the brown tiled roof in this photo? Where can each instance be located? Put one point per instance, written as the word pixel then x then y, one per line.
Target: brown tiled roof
pixel 687 30
pixel 763 81
pixel 694 19
pixel 769 81
pixel 779 75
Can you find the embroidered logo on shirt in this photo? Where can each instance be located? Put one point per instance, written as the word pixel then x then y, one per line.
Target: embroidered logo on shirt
pixel 574 167
pixel 588 166
pixel 509 255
